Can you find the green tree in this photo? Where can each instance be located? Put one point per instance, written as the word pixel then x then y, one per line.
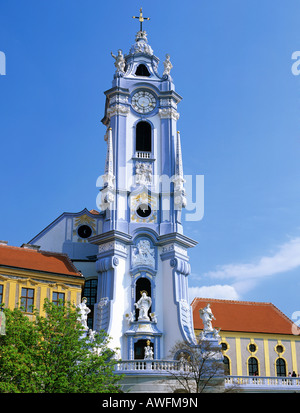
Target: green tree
pixel 51 354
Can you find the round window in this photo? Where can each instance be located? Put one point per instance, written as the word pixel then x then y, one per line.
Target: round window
pixel 252 348
pixel 224 346
pixel 84 231
pixel 279 348
pixel 143 210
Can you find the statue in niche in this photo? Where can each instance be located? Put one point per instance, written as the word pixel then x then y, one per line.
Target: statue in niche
pixel 148 352
pixel 83 313
pixel 143 305
pixel 143 254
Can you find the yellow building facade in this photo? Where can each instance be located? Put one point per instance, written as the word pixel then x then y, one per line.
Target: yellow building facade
pixel 258 354
pixel 29 275
pixel 257 339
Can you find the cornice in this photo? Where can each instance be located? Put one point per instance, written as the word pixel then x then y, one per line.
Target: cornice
pixel 26 274
pixel 111 236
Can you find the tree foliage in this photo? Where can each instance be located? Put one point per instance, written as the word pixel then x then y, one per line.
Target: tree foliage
pixel 52 355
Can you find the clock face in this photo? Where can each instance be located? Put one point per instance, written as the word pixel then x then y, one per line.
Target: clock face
pixel 143 101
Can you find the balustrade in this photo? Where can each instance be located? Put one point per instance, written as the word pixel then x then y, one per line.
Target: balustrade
pixel 172 366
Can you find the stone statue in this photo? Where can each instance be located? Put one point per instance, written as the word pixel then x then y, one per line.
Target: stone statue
pixel 216 332
pixel 143 306
pixel 119 61
pixel 167 65
pixel 2 323
pixel 83 313
pixel 129 317
pixel 91 334
pixel 207 316
pixel 153 317
pixel 148 355
pixel 182 361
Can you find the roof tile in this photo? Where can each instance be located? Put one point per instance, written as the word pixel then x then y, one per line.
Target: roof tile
pixel 37 260
pixel 243 316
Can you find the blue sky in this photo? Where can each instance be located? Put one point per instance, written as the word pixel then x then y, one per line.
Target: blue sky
pixel 239 124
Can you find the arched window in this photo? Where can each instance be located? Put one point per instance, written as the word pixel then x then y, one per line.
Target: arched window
pixel 226 366
pixel 142 70
pixel 143 137
pixel 90 292
pixel 280 367
pixel 253 366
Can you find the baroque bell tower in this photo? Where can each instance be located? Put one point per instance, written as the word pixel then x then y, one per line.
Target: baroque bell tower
pixel 142 262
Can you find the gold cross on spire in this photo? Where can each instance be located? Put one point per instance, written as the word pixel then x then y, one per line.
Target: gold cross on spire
pixel 141 19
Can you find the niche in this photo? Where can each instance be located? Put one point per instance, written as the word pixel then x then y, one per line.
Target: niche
pixel 142 284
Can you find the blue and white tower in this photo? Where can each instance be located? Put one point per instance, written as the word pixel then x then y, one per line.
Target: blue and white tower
pixel 142 261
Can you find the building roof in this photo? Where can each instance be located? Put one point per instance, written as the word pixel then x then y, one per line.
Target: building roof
pixel 92 213
pixel 33 259
pixel 243 316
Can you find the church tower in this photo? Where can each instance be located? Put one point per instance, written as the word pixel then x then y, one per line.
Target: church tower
pixel 142 261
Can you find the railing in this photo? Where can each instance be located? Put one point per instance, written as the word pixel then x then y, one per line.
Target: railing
pixel 145 155
pixel 169 367
pixel 151 366
pixel 263 382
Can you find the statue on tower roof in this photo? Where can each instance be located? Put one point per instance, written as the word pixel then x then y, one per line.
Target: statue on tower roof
pixel 119 61
pixel 167 66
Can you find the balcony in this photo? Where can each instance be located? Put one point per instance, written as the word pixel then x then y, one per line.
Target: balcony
pixel 263 384
pixel 236 383
pixel 153 367
pixel 143 155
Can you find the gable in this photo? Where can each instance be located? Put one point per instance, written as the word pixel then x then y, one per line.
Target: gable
pixel 69 234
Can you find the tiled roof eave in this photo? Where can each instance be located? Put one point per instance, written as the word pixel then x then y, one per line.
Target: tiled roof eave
pixel 72 275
